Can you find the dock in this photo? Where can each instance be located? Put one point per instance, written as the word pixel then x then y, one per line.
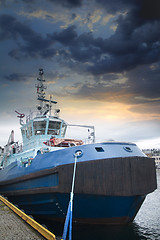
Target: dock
pixel 16 225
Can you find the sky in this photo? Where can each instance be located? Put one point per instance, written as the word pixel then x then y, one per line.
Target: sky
pixel 101 61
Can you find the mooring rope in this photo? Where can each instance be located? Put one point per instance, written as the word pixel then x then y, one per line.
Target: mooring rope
pixel 68 220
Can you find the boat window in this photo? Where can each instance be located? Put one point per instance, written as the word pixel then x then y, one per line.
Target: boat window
pixel 63 130
pixel 39 127
pixel 128 149
pixel 54 128
pixel 99 149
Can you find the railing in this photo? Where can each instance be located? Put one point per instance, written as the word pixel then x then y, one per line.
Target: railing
pixel 32 115
pixel 35 114
pixel 91 132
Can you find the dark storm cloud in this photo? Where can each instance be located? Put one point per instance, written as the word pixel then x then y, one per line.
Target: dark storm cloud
pixel 2 2
pixel 63 3
pixel 123 51
pixel 15 77
pixel 32 44
pixel 145 82
pixel 116 5
pixel 66 37
pixel 150 9
pixel 145 9
pixel 67 3
pixel 82 48
pixel 135 42
pixel 28 1
pixel 141 86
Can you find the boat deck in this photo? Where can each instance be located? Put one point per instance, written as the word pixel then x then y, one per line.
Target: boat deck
pixel 14 227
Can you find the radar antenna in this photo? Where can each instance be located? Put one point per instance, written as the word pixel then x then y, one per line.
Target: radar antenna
pixel 44 105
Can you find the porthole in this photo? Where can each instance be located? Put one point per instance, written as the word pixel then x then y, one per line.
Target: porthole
pixel 128 149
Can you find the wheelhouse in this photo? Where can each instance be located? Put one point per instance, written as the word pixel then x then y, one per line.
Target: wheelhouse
pixel 44 127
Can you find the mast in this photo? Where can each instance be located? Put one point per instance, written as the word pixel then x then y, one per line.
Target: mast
pixel 44 105
pixel 10 141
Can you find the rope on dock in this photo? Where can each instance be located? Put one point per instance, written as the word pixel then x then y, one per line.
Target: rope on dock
pixel 43 231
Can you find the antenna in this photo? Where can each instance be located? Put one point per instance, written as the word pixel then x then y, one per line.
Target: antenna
pixel 44 105
pixel 40 90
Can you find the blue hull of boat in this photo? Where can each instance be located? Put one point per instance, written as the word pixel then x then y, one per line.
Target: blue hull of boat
pixel 110 184
pixel 87 209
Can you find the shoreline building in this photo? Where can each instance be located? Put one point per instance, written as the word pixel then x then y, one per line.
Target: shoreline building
pixel 153 153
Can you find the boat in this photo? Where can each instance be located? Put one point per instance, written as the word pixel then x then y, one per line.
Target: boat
pixel 111 182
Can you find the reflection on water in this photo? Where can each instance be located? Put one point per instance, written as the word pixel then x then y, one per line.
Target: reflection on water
pixel 146 225
pixel 130 232
pixel 148 218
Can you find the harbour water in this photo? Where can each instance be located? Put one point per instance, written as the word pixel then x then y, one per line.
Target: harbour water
pixel 146 225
